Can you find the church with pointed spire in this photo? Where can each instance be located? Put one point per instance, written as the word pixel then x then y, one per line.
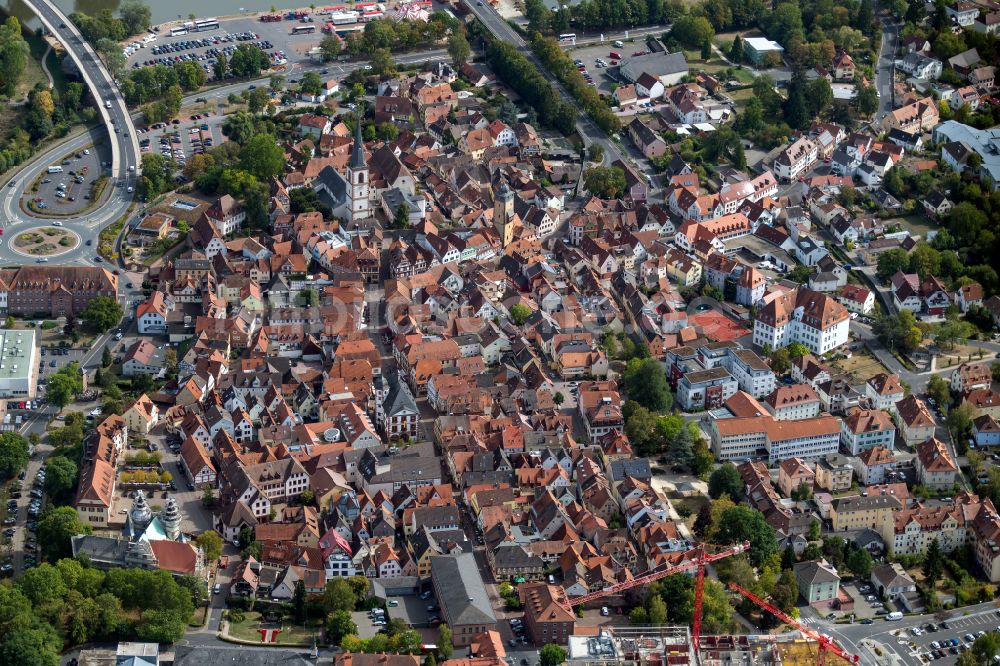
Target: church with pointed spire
pixel 348 194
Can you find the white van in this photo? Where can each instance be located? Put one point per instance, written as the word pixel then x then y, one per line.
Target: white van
pixel 107 104
pixel 895 615
pixel 55 169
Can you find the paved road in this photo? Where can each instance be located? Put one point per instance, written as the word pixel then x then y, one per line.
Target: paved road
pixel 894 638
pixel 88 227
pixel 886 69
pixel 586 127
pixel 118 124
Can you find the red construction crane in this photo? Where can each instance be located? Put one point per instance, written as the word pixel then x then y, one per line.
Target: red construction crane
pixel 825 643
pixel 649 577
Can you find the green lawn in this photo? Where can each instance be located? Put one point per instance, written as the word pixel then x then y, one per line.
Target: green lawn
pixel 33 72
pixel 290 634
pixel 915 224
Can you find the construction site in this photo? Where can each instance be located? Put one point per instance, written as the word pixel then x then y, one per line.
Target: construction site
pixel 681 646
pixel 673 645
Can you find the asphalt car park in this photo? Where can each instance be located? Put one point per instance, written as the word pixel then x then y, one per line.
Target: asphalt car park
pixel 203 47
pixel 191 135
pixel 53 359
pixel 597 61
pixel 69 191
pixel 951 636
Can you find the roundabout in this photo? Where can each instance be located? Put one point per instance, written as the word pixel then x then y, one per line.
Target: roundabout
pixel 45 241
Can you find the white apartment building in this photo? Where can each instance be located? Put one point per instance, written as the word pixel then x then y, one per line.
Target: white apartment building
pixel 795 159
pixel 750 372
pixel 792 402
pixel 863 429
pixel 805 316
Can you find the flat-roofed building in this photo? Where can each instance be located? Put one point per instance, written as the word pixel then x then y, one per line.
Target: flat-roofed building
pixel 18 363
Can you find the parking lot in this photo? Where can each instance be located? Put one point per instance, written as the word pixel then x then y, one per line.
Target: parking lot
pixel 69 191
pixel 597 59
pixel 189 136
pixel 951 637
pixel 204 48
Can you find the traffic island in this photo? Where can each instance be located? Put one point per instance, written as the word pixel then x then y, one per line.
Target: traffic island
pixel 45 242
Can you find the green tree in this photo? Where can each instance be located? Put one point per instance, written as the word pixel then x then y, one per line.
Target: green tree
pixel 13 56
pixel 692 31
pixel 786 591
pixel 657 610
pixel 458 48
pixel 402 218
pixel 60 479
pixel 800 274
pixel 551 655
pixel 382 63
pixel 604 182
pixel 742 523
pixel 444 641
pixel 899 331
pixel 933 562
pixel 339 624
pixel 136 15
pixel 867 100
pixel 781 360
pixel 221 67
pixel 519 313
pixel 959 422
pixel 211 545
pixel 538 15
pixel 262 157
pixel 646 383
pixel 725 480
pixel 338 596
pixel 13 454
pixel 299 602
pixel 55 528
pixel 258 99
pixel 736 50
pixel 102 313
pixel 939 390
pixel 330 47
pixel 859 561
pixel 983 652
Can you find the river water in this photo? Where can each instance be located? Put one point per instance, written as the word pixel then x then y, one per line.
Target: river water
pixel 163 10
